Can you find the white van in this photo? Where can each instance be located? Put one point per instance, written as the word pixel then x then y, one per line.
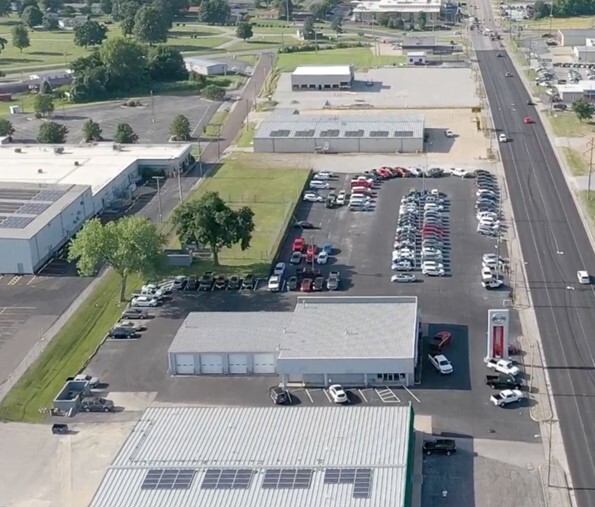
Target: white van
pixel 583 277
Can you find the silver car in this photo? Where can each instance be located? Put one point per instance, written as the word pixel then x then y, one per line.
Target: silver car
pixel 403 278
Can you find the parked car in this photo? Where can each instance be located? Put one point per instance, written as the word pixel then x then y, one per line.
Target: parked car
pixel 191 284
pixel 274 284
pixel 312 197
pixel 298 245
pixel 60 429
pixel 122 333
pixel 144 302
pixel 304 224
pixel 206 281
pixel 248 281
pixel 503 366
pixel 323 175
pixel 439 446
pixel 502 381
pixel 134 313
pixel 495 283
pixel 441 363
pixel 279 396
pixel 296 258
pixel 333 280
pixel 306 285
pixel 279 269
pixel 440 341
pixel 93 381
pixel 322 257
pixel 506 397
pixel 319 185
pixel 292 283
pixel 93 404
pixel 180 282
pixel 220 282
pixel 234 282
pixel 337 394
pixel 318 284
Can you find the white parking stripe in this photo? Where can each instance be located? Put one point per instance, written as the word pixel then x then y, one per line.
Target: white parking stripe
pixel 327 395
pixel 363 396
pixel 412 395
pixel 308 393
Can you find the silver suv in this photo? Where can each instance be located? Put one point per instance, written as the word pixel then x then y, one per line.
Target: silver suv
pixel 92 404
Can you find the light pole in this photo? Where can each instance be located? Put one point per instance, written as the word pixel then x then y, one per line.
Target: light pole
pixel 551 17
pixel 179 174
pixel 158 179
pixel 592 145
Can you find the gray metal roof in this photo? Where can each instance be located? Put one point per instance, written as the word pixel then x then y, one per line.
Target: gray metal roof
pixel 285 123
pixel 577 31
pixel 319 327
pixel 259 440
pixel 203 62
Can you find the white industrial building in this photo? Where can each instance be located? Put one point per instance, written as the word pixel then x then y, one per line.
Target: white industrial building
pixel 322 77
pixel 288 131
pixel 204 66
pixel 574 36
pixel 584 89
pixel 257 457
pixel 47 192
pixel 584 54
pixel 356 341
pixel 407 10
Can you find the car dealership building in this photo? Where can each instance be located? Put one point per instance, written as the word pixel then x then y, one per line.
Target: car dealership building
pixel 353 341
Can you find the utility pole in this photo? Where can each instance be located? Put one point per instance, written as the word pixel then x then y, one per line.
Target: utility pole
pixel 200 158
pixel 158 179
pixel 551 16
pixel 179 174
pixel 591 145
pixel 152 108
pixel 287 10
pixel 218 141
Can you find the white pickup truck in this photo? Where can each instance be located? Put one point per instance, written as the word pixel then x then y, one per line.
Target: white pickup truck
pixel 441 364
pixel 505 397
pixel 502 366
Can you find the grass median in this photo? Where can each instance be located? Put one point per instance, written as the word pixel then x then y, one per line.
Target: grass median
pixel 358 57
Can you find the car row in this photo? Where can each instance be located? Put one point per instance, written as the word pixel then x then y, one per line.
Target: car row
pixel 487 204
pixel 491 267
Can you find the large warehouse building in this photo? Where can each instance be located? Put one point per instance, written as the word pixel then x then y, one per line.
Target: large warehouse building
pixel 354 341
pixel 47 192
pixel 322 77
pixel 287 131
pixel 257 457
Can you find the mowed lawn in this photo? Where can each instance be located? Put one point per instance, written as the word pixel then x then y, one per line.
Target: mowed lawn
pixel 358 57
pixel 566 124
pixel 271 192
pixel 561 23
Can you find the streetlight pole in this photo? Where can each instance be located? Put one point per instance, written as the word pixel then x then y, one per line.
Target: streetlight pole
pixel 158 179
pixel 179 174
pixel 592 145
pixel 551 17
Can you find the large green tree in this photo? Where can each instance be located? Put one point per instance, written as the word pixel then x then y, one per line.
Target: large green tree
pixel 91 131
pixel 126 64
pixel 124 134
pixel 180 128
pixel 3 43
pixel 90 33
pixel 166 63
pixel 5 8
pixel 213 92
pixel 214 12
pixel 308 30
pixel 20 37
pixel 166 10
pixel 209 221
pixel 43 104
pixel 244 30
pixel 583 109
pixel 51 132
pixel 129 245
pixel 6 128
pixel 32 16
pixel 422 20
pixel 150 26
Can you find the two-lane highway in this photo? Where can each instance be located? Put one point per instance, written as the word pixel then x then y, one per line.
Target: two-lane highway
pixel 555 246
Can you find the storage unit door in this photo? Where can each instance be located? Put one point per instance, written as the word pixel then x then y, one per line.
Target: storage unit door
pixel 264 363
pixel 184 364
pixel 238 364
pixel 349 379
pixel 211 364
pixel 314 379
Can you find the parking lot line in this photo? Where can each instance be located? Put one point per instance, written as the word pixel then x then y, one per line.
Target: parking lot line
pixel 412 395
pixel 309 396
pixel 327 395
pixel 14 280
pixel 363 396
pixel 387 395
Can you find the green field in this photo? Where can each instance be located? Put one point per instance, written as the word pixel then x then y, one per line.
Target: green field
pixel 358 57
pixel 566 124
pixel 561 23
pixel 588 203
pixel 246 136
pixel 576 162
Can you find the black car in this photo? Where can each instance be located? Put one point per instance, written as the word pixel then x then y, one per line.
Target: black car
pixel 318 284
pixel 134 313
pixel 191 284
pixel 279 396
pixel 220 282
pixel 122 333
pixel 304 224
pixel 440 446
pixel 292 283
pixel 503 382
pixel 60 429
pixel 248 281
pixel 234 282
pixel 307 272
pixel 206 281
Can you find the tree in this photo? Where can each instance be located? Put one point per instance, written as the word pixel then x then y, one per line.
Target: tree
pixel 124 134
pixel 32 16
pixel 3 43
pixel 125 62
pixel 6 128
pixel 50 5
pixel 244 30
pixel 50 22
pixel 209 221
pixel 213 92
pixel 180 128
pixel 166 10
pixel 43 104
pixel 52 133
pixel 5 8
pixel 45 88
pixel 106 6
pixel 337 25
pixel 20 37
pixel 319 11
pixel 308 29
pixel 89 77
pixel 127 26
pixel 122 9
pixel 214 12
pixel 583 109
pixel 422 20
pixel 150 26
pixel 166 63
pixel 91 131
pixel 90 33
pixel 129 245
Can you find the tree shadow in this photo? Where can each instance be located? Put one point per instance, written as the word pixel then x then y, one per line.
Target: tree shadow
pixel 46 53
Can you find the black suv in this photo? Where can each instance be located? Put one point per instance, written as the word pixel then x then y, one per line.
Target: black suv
pixel 248 282
pixel 206 281
pixel 279 396
pixel 440 446
pixel 124 333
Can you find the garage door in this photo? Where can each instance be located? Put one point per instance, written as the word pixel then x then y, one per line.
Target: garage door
pixel 184 364
pixel 264 363
pixel 211 364
pixel 238 364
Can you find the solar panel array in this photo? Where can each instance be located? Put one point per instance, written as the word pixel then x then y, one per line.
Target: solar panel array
pixel 16 194
pixel 171 478
pixel 33 208
pixel 305 133
pixel 15 222
pixel 330 133
pixel 9 207
pixel 287 478
pixel 354 133
pixel 49 195
pixel 379 133
pixel 227 478
pixel 280 133
pixel 403 133
pixel 361 478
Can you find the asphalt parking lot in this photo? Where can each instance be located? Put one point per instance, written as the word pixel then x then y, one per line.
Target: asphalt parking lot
pixel 150 121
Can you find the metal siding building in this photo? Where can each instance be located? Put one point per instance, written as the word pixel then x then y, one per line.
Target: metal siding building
pixel 575 36
pixel 322 77
pixel 255 457
pixel 204 66
pixel 367 341
pixel 288 132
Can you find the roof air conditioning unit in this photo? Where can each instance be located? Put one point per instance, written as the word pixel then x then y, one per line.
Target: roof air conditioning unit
pixel 17 150
pixel 59 150
pixel 76 163
pixel 39 171
pixel 117 147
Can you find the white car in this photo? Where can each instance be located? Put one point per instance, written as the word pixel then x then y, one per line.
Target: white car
pixel 459 171
pixel 502 138
pixel 507 396
pixel 488 214
pixel 152 290
pixel 144 302
pixel 359 197
pixel 485 191
pixel 322 257
pixel 130 324
pixel 93 381
pixel 449 133
pixel 279 269
pixel 488 257
pixel 312 197
pixel 341 197
pixel 433 207
pixel 319 184
pixel 403 278
pixel 441 363
pixel 502 366
pixel 323 175
pixel 337 394
pixel 430 268
pixel 274 284
pixel 583 277
pixel 415 171
pixel 492 284
pixel 432 256
pixel 486 273
pixel 403 265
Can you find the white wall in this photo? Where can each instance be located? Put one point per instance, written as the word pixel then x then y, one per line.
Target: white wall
pixel 15 251
pixel 116 188
pixel 289 366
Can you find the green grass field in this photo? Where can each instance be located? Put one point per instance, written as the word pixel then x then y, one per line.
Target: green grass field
pixel 588 203
pixel 561 23
pixel 566 124
pixel 246 136
pixel 358 57
pixel 576 162
pixel 67 354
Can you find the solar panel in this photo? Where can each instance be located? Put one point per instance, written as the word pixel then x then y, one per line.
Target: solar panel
pixel 227 478
pixel 361 478
pixel 169 478
pixel 48 195
pixel 21 195
pixel 304 133
pixel 379 133
pixel 329 133
pixel 16 222
pixel 35 208
pixel 354 133
pixel 9 207
pixel 403 133
pixel 279 133
pixel 287 478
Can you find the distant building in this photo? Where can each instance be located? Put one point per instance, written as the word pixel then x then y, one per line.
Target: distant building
pixel 575 36
pixel 416 58
pixel 407 10
pixel 322 77
pixel 72 23
pixel 418 43
pixel 582 90
pixel 205 67
pixel 584 54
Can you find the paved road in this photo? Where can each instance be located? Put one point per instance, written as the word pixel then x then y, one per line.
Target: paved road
pixel 555 245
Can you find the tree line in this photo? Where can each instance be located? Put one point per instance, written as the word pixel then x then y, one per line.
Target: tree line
pixel 563 8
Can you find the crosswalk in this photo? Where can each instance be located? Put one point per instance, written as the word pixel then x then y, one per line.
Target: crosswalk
pixel 19 280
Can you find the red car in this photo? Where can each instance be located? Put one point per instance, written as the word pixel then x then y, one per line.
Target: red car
pixel 431 229
pixel 384 172
pixel 528 120
pixel 298 245
pixel 441 340
pixel 361 183
pixel 306 285
pixel 395 172
pixel 310 253
pixel 431 232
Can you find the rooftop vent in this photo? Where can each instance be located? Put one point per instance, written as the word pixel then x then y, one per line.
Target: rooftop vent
pixel 59 150
pixel 76 163
pixel 17 150
pixel 39 171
